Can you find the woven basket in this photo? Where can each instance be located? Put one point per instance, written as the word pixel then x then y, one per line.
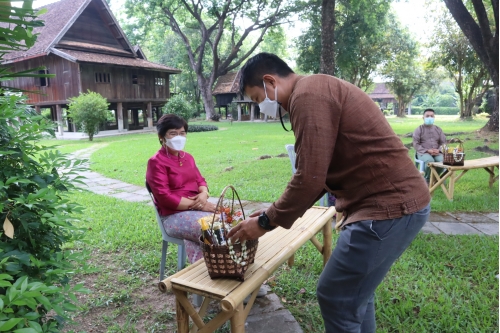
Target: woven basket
pixel 217 257
pixel 454 156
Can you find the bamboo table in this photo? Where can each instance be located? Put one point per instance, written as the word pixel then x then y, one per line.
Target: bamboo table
pixel 487 163
pixel 275 248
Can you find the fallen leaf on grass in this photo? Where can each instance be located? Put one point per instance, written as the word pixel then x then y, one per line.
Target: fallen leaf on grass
pixel 416 310
pixel 301 291
pixel 283 299
pixel 449 265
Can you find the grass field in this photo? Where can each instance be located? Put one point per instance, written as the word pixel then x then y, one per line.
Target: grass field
pixel 240 146
pixel 440 284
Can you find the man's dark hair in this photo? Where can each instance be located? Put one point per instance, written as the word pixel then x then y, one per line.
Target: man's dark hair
pixel 257 66
pixel 170 121
pixel 431 110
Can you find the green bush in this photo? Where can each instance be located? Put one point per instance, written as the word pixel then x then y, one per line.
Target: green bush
pixel 439 110
pixel 447 101
pixel 202 128
pixel 35 269
pixel 88 111
pixel 179 106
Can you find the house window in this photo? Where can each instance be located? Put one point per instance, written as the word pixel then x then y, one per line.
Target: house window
pixel 102 77
pixel 43 81
pixel 159 81
pixel 138 79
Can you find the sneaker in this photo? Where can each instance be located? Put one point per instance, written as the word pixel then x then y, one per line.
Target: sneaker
pixel 262 292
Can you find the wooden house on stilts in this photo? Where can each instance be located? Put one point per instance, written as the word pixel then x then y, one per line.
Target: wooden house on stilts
pixel 84 46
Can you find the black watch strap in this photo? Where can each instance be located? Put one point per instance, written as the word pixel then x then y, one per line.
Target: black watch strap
pixel 264 222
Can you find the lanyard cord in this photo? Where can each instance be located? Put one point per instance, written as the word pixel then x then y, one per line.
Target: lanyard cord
pixel 281 119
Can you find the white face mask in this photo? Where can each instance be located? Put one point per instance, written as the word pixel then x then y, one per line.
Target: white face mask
pixel 176 143
pixel 268 107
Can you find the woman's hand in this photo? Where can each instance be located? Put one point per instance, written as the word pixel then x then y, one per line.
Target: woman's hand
pixel 199 201
pixel 209 207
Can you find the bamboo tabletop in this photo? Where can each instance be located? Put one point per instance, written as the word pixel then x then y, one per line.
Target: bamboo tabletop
pixel 469 164
pixel 274 249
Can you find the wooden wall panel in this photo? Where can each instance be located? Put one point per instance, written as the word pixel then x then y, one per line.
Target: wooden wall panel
pixel 60 88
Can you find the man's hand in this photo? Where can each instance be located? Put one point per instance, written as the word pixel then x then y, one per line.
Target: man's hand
pixel 248 229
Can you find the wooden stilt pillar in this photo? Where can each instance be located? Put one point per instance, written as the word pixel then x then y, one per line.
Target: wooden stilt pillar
pixel 149 109
pixel 239 112
pixel 252 111
pixel 37 109
pixel 119 116
pixel 59 119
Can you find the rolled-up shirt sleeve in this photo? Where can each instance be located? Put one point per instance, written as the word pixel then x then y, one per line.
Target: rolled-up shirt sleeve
pixel 157 178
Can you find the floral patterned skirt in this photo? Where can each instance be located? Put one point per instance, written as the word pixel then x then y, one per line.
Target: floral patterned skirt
pixel 185 225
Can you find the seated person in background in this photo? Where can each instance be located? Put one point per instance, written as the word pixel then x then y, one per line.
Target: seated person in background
pixel 180 191
pixel 427 139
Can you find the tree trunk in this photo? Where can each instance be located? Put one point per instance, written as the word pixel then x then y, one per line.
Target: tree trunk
pixel 91 137
pixel 492 124
pixel 327 58
pixel 401 108
pixel 206 96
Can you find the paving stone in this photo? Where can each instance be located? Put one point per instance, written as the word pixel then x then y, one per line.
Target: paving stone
pixel 440 217
pixel 266 304
pixel 430 228
pixel 119 185
pixel 130 188
pixel 456 228
pixel 106 181
pixel 486 228
pixel 472 218
pixel 493 216
pixel 280 321
pixel 143 192
pixel 129 196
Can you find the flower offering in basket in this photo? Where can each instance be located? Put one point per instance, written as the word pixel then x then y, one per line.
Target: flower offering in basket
pixel 222 258
pixel 454 155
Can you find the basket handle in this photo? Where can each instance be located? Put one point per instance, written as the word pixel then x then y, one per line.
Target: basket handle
pixel 221 200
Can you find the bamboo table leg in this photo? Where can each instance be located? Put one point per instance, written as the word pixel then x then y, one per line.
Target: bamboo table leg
pixel 327 242
pixel 238 320
pixel 182 316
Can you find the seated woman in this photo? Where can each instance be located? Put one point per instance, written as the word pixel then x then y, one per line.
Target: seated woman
pixel 180 191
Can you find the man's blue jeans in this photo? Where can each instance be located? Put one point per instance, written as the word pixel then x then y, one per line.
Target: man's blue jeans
pixel 364 254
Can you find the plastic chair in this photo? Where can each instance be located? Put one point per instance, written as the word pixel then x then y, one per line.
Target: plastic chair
pixel 181 251
pixel 291 154
pixel 419 164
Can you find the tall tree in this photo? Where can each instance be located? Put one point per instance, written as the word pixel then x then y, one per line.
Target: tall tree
pixel 218 32
pixel 327 58
pixel 478 31
pixel 452 50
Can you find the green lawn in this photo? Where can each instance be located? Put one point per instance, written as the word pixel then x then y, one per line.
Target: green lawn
pixel 239 146
pixel 440 284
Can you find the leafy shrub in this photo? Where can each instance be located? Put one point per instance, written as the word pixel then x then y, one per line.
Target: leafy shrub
pixel 35 270
pixel 439 110
pixel 215 117
pixel 387 112
pixel 88 111
pixel 202 128
pixel 179 106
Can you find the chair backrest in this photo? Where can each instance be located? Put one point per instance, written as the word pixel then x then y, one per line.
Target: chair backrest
pixel 291 154
pixel 164 234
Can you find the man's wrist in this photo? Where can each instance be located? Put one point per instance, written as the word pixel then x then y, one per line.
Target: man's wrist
pixel 264 222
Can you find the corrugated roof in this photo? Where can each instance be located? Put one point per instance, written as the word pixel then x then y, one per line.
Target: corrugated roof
pixel 227 84
pixel 98 58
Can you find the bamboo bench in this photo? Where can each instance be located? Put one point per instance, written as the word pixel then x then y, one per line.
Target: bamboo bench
pixel 487 163
pixel 275 248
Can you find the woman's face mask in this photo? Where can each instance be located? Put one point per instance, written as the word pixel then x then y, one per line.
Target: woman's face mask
pixel 176 143
pixel 268 107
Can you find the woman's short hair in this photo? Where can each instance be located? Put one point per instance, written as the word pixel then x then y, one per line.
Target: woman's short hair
pixel 170 121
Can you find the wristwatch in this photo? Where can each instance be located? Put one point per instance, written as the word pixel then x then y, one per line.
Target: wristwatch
pixel 264 222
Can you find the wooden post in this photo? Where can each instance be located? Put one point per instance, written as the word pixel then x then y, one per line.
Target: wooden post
pixel 125 117
pixel 239 112
pixel 252 111
pixel 119 116
pixel 59 119
pixel 149 109
pixel 37 109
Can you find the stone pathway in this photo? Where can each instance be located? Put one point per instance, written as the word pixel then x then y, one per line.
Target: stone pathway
pixel 268 315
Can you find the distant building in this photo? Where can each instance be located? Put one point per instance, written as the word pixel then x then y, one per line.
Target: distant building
pixel 382 95
pixel 226 91
pixel 84 46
